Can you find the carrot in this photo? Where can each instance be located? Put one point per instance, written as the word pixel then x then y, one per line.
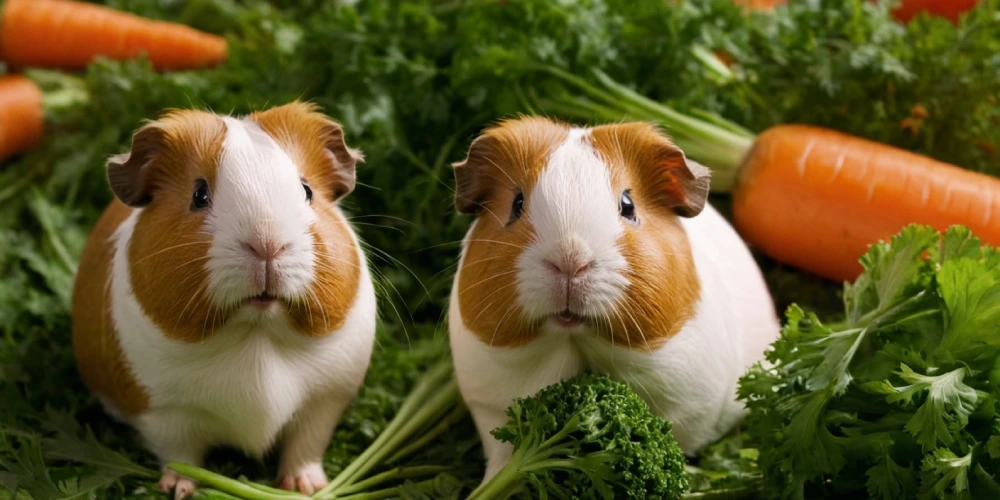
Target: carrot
pixel 68 35
pixel 759 4
pixel 815 198
pixel 948 9
pixel 904 12
pixel 808 197
pixel 21 116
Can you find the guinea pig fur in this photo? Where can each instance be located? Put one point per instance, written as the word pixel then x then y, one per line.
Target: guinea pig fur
pixel 593 249
pixel 222 298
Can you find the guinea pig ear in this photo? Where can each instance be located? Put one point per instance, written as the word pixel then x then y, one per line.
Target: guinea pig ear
pixel 684 184
pixel 471 188
pixel 344 158
pixel 130 174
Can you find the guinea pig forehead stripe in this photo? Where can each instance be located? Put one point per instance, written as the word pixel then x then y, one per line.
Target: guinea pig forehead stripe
pixel 251 154
pixel 574 194
pixel 258 181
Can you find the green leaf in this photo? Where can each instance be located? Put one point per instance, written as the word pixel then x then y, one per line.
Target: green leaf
pixel 970 288
pixel 948 404
pixel 889 480
pixel 894 272
pixel 945 473
pixel 8 480
pixel 984 484
pixel 959 242
pixel 32 475
pixel 67 445
pixel 993 446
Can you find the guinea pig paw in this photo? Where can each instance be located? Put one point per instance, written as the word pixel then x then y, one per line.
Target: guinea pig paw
pixel 307 479
pixel 181 486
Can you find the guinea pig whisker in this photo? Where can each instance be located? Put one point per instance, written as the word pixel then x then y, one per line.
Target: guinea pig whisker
pixel 500 323
pixel 322 309
pixel 188 263
pixel 383 226
pixel 181 315
pixel 435 282
pixel 404 221
pixel 158 252
pixel 394 261
pixel 511 179
pixel 484 309
pixel 489 278
pixel 618 315
pixel 308 308
pixel 338 260
pixel 642 334
pixel 636 381
pixel 467 265
pixel 607 318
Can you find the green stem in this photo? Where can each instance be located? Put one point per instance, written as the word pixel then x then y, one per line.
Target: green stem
pixel 719 121
pixel 717 70
pixel 501 485
pixel 555 463
pixel 268 489
pixel 722 148
pixel 414 407
pixel 227 485
pixel 394 492
pixel 748 491
pixel 446 398
pixel 389 475
pixel 457 414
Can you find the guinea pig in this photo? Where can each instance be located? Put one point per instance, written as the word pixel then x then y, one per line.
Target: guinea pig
pixel 594 250
pixel 223 298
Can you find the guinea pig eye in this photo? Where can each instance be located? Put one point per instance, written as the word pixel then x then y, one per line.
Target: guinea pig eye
pixel 626 208
pixel 309 191
pixel 517 207
pixel 201 198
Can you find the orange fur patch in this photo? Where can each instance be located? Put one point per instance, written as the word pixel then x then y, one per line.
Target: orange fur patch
pixel 99 356
pixel 511 159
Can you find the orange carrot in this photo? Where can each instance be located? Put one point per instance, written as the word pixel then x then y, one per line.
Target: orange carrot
pixel 816 198
pixel 904 12
pixel 948 9
pixel 68 35
pixel 759 4
pixel 21 116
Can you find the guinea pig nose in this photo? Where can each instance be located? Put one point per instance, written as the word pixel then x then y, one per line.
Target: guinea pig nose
pixel 265 249
pixel 570 269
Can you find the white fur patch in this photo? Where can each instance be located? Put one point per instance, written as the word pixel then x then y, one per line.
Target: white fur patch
pixel 258 196
pixel 575 215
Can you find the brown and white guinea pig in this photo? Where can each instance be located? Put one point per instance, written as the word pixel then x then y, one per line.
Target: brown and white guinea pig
pixel 223 298
pixel 593 249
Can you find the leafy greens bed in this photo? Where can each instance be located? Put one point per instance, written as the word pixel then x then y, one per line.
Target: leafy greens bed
pixel 894 395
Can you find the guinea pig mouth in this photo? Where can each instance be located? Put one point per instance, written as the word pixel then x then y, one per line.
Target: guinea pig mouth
pixel 568 319
pixel 262 299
